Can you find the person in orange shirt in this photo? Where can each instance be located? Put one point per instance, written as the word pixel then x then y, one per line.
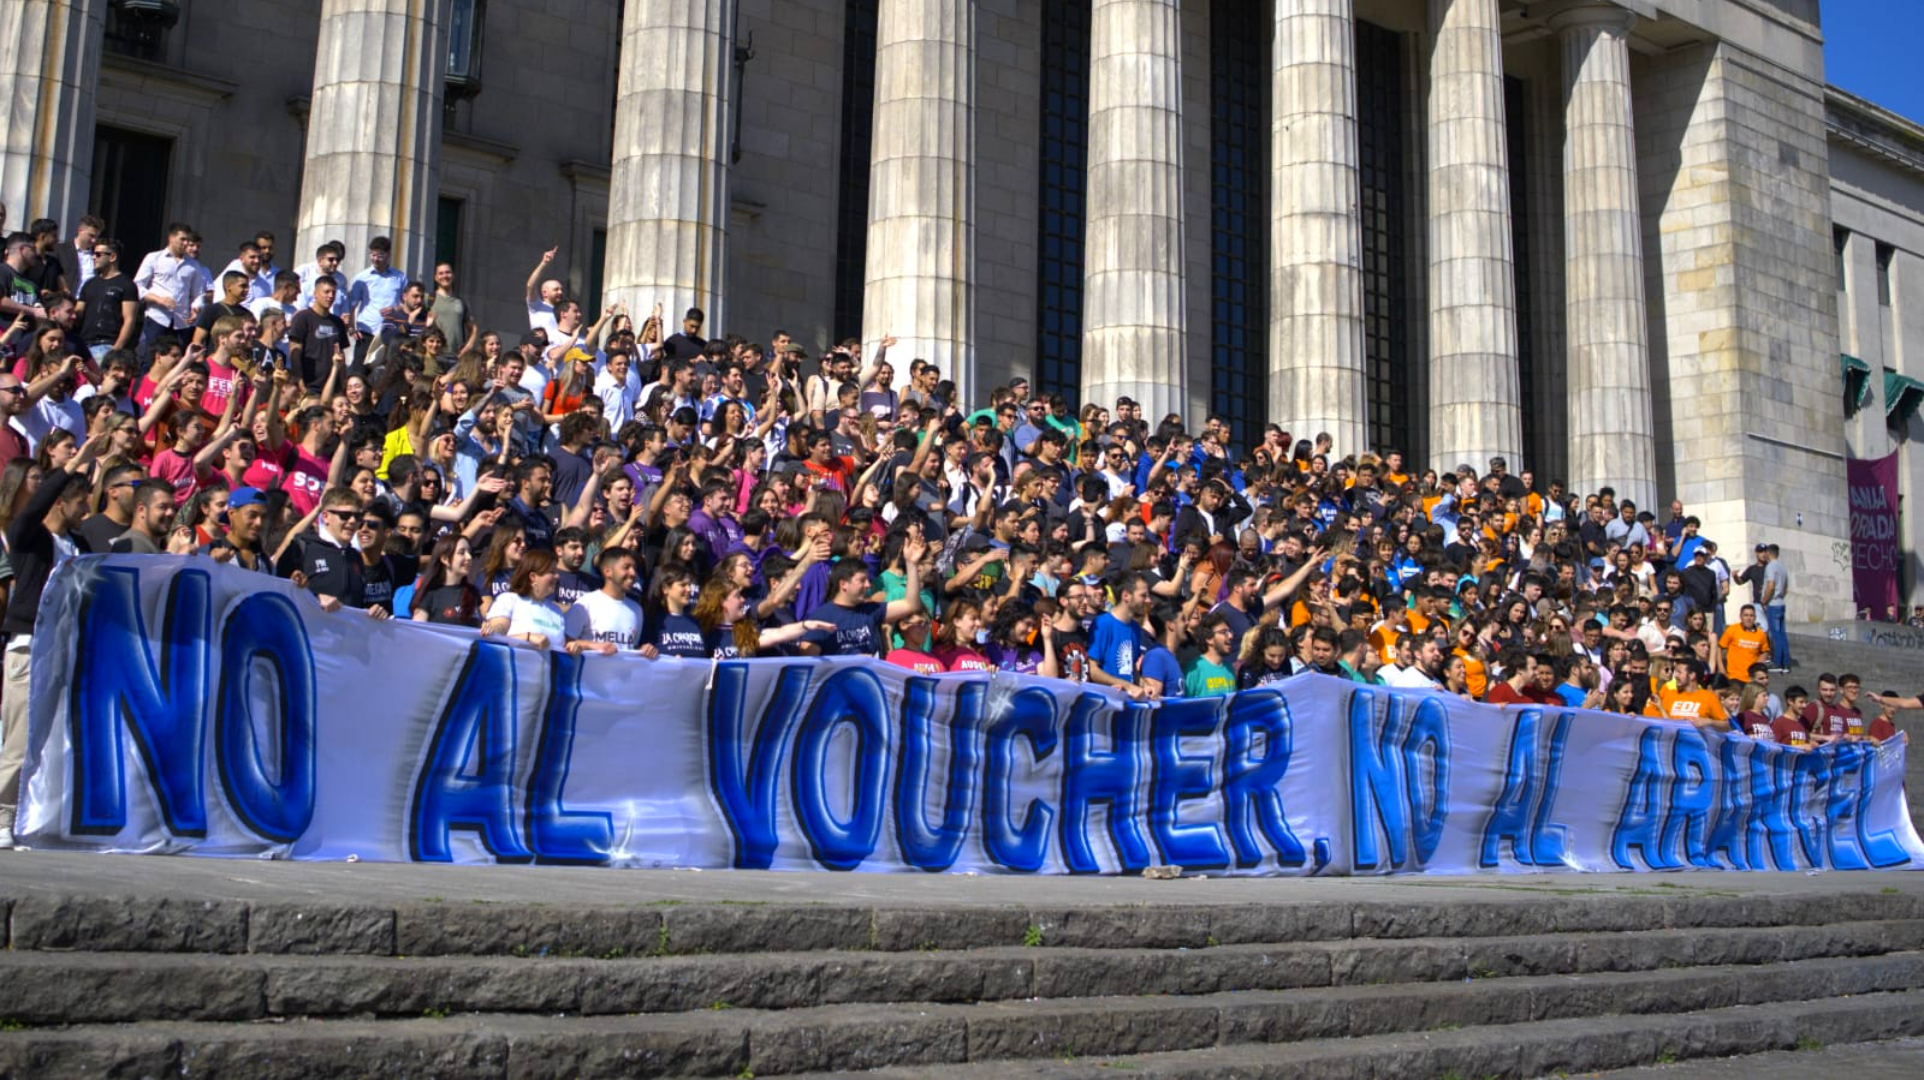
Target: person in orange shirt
pixel 1689 700
pixel 1744 644
pixel 1476 674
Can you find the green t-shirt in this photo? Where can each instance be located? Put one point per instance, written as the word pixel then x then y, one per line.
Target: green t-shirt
pixel 1206 678
pixel 896 586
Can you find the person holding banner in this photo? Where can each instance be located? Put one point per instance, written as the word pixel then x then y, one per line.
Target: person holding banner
pixel 1689 700
pixel 44 534
pixel 527 611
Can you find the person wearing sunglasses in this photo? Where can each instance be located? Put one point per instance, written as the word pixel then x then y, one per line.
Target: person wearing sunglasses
pixel 108 311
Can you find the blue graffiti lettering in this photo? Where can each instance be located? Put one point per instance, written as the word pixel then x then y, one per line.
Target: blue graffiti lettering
pixel 116 681
pixel 936 848
pixel 276 803
pixel 556 833
pixel 1733 809
pixel 1179 777
pixel 1031 715
pixel 851 698
pixel 1640 821
pixel 467 780
pixel 1091 775
pixel 1252 784
pixel 745 789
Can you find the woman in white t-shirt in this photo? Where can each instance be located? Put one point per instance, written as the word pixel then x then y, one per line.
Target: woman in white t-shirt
pixel 527 611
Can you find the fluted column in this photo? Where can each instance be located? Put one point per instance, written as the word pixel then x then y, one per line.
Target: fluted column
pixel 1473 406
pixel 668 189
pixel 1611 439
pixel 374 130
pixel 920 275
pixel 1316 367
pixel 1133 324
pixel 49 66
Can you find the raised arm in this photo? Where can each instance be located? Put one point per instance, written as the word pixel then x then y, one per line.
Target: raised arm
pixel 911 602
pixel 534 279
pixel 578 514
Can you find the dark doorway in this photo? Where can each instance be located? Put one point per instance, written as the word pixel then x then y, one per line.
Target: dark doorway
pixel 129 188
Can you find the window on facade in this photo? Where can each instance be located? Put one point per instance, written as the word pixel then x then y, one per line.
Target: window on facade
pixel 1840 239
pixel 1238 222
pixel 597 255
pixel 129 189
pixel 464 44
pixel 1380 112
pixel 447 232
pixel 858 122
pixel 1515 111
pixel 138 28
pixel 1885 253
pixel 1064 175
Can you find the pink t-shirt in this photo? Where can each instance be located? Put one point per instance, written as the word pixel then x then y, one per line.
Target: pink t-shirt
pixel 177 469
pixel 302 475
pixel 222 383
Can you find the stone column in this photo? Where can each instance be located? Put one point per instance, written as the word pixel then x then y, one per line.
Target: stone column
pixel 1611 438
pixel 668 189
pixel 49 66
pixel 920 275
pixel 374 131
pixel 1316 367
pixel 1133 317
pixel 1473 406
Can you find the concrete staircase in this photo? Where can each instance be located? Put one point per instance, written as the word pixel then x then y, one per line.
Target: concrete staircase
pixel 1548 979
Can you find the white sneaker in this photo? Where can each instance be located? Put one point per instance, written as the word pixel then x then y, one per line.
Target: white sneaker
pixel 6 827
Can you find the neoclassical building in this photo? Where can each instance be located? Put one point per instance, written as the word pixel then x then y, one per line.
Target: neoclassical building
pixel 1593 236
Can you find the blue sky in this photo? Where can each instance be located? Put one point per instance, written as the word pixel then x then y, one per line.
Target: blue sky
pixel 1871 49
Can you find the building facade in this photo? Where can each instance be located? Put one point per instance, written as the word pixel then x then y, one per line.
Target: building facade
pixel 1593 236
pixel 1877 206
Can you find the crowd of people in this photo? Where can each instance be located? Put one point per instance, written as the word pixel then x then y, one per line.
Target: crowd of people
pixel 619 485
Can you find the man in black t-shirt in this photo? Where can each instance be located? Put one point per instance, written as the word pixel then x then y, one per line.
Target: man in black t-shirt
pixel 315 336
pixel 109 308
pixel 688 344
pixel 324 561
pixel 233 301
pixel 382 572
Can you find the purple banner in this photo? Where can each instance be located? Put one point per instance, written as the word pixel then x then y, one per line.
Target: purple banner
pixel 1874 554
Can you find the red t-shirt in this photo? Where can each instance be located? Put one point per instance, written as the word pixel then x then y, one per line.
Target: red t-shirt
pixel 1824 719
pixel 1502 693
pixel 1757 726
pixel 1791 731
pixel 962 658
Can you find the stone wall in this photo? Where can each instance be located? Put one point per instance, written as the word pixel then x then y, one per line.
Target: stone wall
pixel 230 91
pixel 1743 321
pixel 785 190
pixel 1008 134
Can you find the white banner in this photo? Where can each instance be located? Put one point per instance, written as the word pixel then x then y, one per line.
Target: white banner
pixel 185 707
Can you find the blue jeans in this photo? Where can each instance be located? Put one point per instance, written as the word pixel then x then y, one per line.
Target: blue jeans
pixel 1779 637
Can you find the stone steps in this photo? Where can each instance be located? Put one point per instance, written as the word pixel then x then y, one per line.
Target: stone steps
pixel 1352 979
pixel 97 987
pixel 1248 1024
pixel 83 922
pixel 1541 1048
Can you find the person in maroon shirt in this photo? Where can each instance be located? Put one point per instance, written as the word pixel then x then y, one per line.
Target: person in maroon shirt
pixel 1790 729
pixel 1823 718
pixel 1519 671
